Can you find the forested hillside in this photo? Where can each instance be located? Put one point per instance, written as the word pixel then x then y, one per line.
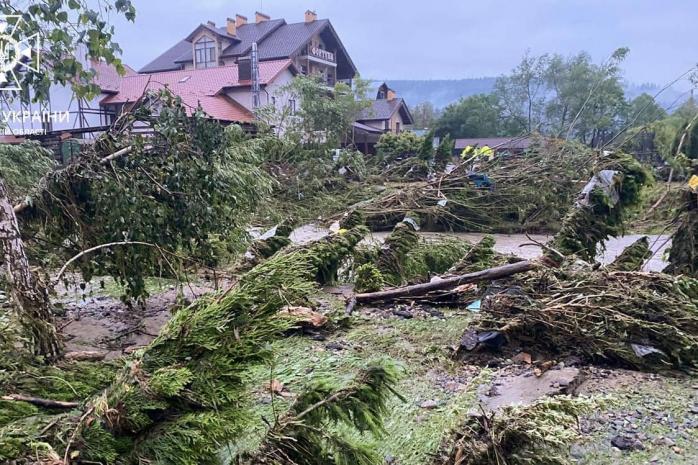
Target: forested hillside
pixel 441 92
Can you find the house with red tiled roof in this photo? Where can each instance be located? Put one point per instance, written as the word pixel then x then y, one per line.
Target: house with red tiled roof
pixel 213 67
pixel 226 71
pixel 223 93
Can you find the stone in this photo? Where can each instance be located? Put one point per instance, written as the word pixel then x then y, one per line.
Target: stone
pixel 429 404
pixel 626 443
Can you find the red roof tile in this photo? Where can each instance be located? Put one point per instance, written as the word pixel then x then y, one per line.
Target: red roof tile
pixel 199 86
pixel 106 77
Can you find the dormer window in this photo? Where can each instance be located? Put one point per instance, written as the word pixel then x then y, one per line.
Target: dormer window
pixel 205 53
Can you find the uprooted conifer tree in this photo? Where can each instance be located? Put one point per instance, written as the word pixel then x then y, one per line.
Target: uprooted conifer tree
pixel 181 399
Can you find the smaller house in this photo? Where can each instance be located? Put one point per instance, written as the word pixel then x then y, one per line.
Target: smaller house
pixel 513 145
pixel 387 113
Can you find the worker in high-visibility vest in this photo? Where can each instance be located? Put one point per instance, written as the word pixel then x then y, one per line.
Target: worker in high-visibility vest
pixel 474 152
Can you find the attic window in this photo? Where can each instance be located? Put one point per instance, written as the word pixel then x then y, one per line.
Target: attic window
pixel 205 53
pixel 184 79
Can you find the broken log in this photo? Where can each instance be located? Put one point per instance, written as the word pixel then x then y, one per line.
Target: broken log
pixel 85 356
pixel 447 283
pixel 39 402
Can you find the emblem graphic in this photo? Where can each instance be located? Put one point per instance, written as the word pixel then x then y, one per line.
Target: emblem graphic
pixel 16 53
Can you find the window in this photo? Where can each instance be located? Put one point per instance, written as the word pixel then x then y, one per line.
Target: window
pixel 397 127
pixel 273 100
pixel 292 106
pixel 387 125
pixel 205 53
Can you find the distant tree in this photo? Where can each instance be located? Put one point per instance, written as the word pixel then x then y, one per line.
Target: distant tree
pixel 563 96
pixel 687 110
pixel 644 110
pixel 521 94
pixel 586 101
pixel 426 152
pixel 444 152
pixel 324 116
pixel 425 115
pixel 474 116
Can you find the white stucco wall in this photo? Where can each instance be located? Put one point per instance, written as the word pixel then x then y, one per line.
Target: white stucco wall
pixel 61 99
pixel 243 95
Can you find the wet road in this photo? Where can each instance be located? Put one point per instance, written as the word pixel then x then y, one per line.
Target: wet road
pixel 517 244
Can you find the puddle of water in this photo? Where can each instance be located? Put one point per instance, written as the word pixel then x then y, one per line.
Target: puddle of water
pixel 516 244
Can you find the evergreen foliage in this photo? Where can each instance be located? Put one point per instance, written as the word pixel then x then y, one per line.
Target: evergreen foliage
pixel 588 225
pixel 308 434
pixel 633 256
pixel 190 181
pixel 536 434
pixel 179 400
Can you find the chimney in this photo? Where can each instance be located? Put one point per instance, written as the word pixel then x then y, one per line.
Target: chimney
pixel 230 26
pixel 391 94
pixel 310 16
pixel 261 17
pixel 240 20
pixel 211 23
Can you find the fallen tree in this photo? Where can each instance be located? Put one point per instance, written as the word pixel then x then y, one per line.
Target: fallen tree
pixel 526 192
pixel 31 303
pixel 641 320
pixel 180 399
pixel 447 283
pixel 190 181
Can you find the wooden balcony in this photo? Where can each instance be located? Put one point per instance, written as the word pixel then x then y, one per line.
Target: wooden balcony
pixel 322 55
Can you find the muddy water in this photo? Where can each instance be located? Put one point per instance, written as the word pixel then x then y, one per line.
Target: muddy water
pixel 517 244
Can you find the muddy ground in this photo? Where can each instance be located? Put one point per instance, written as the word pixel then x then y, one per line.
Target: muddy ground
pixel 645 418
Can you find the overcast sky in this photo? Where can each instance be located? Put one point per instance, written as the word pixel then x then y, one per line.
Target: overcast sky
pixel 418 39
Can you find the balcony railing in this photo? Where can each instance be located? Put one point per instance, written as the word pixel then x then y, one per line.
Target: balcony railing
pixel 321 54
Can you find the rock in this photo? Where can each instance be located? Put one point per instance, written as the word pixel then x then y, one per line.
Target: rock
pixel 277 388
pixel 626 443
pixel 576 451
pixel 429 404
pixel 334 346
pixel 403 314
pixel 522 357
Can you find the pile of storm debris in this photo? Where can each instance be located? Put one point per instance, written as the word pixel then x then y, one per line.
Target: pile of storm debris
pixel 564 304
pixel 521 192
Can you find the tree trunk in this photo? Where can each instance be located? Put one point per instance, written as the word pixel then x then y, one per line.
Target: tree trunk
pixel 447 283
pixel 29 295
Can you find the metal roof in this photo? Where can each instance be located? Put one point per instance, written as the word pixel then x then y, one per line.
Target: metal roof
pixel 383 109
pixel 275 39
pixel 167 61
